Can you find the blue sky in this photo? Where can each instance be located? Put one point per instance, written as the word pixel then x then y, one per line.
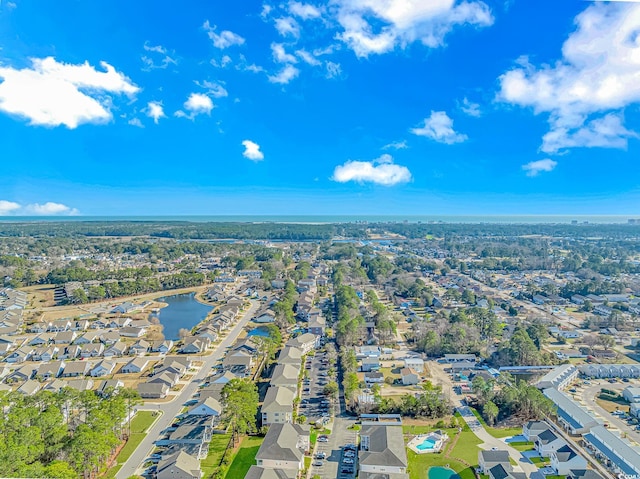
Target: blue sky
pixel 339 107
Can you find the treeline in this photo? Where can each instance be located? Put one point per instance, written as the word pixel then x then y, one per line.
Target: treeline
pixel 497 401
pixel 64 435
pixel 430 403
pixel 116 289
pixel 297 231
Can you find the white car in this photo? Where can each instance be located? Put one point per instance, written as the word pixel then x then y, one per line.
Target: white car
pixel 347 460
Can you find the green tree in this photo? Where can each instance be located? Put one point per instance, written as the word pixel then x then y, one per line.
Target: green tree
pixel 240 400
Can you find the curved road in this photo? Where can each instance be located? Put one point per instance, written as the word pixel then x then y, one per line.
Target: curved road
pixel 171 409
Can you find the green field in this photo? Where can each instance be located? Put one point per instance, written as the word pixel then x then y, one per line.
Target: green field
pixel 522 446
pixel 139 425
pixel 465 451
pixel 216 450
pixel 245 457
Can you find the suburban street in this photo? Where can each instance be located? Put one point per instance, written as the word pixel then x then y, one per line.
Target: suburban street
pixel 171 409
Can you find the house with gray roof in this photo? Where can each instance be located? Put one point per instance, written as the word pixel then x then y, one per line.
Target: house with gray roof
pixel 290 355
pixel 285 375
pixel 278 405
pixel 504 471
pixel 178 465
pixel 382 450
pixel 532 429
pixel 571 416
pixel 257 472
pixel 559 377
pixel 564 459
pixel 616 453
pixel 284 447
pixel 153 390
pixel 76 369
pixel 489 459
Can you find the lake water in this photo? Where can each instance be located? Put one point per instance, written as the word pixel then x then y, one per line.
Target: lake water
pixel 183 311
pixel 442 473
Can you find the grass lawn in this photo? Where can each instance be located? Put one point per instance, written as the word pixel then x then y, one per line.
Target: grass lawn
pixel 466 449
pixel 139 425
pixel 245 457
pixel 540 461
pixel 498 432
pixel 216 450
pixel 522 446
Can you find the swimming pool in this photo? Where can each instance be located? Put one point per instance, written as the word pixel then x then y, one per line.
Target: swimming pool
pixel 442 473
pixel 426 445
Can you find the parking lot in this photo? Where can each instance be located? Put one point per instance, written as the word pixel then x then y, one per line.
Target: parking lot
pixel 338 462
pixel 313 404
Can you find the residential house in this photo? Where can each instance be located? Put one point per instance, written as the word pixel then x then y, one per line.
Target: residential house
pixel 237 358
pixel 156 390
pixel 59 325
pixel 409 377
pixel 417 364
pixel 489 459
pixel 89 337
pixel 531 430
pixel 136 365
pixel 103 368
pixel 317 323
pixel 564 459
pixel 41 339
pixel 23 373
pixel 505 471
pixel 382 451
pixel 165 377
pixel 306 342
pixel 369 364
pixel 194 345
pixel 206 407
pixel 92 350
pixel 50 370
pixel 290 355
pixel 193 431
pixel 81 384
pixel 570 415
pixel 20 355
pixel 373 378
pixel 283 447
pixel 108 385
pixel 29 388
pixel 76 369
pixel 70 352
pixel 45 353
pixel 161 346
pixel 631 394
pixel 118 323
pixel 65 337
pixel 116 350
pixel 140 347
pixel 130 332
pixel 285 375
pixel 548 442
pixel 178 465
pixel 278 405
pixel 267 316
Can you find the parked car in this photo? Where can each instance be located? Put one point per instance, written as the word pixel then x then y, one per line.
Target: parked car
pixel 323 438
pixel 317 463
pixel 347 460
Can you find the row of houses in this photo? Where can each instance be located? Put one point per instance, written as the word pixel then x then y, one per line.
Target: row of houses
pixel 12 304
pixel 277 407
pixel 613 451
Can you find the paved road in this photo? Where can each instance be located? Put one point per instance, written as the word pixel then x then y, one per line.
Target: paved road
pixel 340 436
pixel 171 409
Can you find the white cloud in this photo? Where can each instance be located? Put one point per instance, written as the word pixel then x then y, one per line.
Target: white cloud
pixel 154 110
pixel 304 10
pixel 135 122
pixel 534 168
pixel 266 10
pixel 50 209
pixel 379 26
pixel 50 93
pixel 160 53
pixel 585 91
pixel 280 55
pixel 214 89
pixel 224 62
pixel 196 104
pixel 285 75
pixel 252 151
pixel 288 26
pixel 333 70
pixel 396 145
pixel 7 207
pixel 470 108
pixel 381 171
pixel 308 57
pixel 439 127
pixel 224 39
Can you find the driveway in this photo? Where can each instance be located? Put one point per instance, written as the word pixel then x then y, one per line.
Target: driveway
pixel 171 409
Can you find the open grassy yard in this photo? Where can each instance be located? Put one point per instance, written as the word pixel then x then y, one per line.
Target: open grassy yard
pixel 460 454
pixel 498 432
pixel 245 458
pixel 216 450
pixel 522 446
pixel 139 425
